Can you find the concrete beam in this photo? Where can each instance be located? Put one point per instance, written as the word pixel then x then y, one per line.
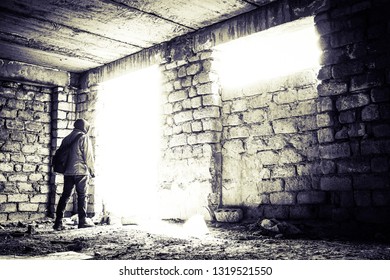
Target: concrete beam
pixel 17 71
pixel 142 59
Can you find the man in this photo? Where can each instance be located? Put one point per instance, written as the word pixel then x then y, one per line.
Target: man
pixel 79 167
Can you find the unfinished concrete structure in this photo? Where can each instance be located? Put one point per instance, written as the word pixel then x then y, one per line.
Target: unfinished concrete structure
pixel 311 146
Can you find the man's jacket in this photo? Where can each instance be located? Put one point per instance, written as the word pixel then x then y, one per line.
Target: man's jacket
pixel 80 159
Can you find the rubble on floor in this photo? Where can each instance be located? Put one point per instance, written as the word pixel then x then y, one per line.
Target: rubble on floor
pixel 263 239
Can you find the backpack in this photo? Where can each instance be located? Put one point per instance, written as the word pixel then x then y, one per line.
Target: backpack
pixel 60 157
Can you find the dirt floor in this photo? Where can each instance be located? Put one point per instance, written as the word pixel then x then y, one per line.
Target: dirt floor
pixel 175 240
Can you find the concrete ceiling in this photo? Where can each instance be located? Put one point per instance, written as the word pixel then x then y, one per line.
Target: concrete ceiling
pixel 78 35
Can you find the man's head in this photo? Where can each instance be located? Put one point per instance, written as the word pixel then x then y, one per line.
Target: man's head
pixel 82 125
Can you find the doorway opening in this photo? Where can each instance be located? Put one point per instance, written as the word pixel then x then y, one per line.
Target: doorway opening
pixel 128 144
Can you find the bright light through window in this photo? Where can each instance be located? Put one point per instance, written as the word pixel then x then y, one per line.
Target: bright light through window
pixel 276 52
pixel 128 143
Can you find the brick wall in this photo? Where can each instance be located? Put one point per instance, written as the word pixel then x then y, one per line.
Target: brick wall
pixel 190 168
pixel 353 111
pixel 269 142
pixel 25 144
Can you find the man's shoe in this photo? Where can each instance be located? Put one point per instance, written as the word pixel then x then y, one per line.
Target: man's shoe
pixel 58 227
pixel 86 224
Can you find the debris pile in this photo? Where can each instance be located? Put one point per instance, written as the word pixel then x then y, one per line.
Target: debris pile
pixel 278 229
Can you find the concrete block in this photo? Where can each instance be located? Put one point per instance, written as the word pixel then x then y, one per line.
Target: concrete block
pixel 365 81
pixel 283 172
pixel 379 95
pixel 238 132
pixel 211 100
pixel 17 178
pixel 255 116
pixel 311 197
pixel 352 101
pixel 18 198
pixel 325 104
pixel 304 108
pixel 194 68
pixel 19 158
pixel 325 73
pixel 3 198
pixel 35 177
pixel 370 113
pixel 260 101
pixel 356 130
pixel 9 113
pixel 233 147
pixel 208 137
pixel 283 111
pixel 232 120
pixel 228 215
pixel 263 129
pixel 289 155
pixel 301 183
pixel 347 69
pixel 284 126
pixel 7 207
pixel 239 105
pixel 283 198
pixel 347 116
pixel 207 112
pixel 346 37
pixel 196 126
pixel 202 78
pixel 178 140
pixel 196 102
pixel 25 187
pixel 303 212
pixel 285 97
pixel 269 186
pixel 334 151
pixel 324 120
pixel 34 127
pixel 276 211
pixel 177 96
pixel 332 88
pixel 335 183
pixel 3 217
pixel 371 181
pixel 268 157
pixel 14 124
pixel 212 124
pixel 353 166
pixel 28 207
pixel 7 167
pixel 307 93
pixel 209 88
pixel 183 116
pixel 326 135
pixel 18 216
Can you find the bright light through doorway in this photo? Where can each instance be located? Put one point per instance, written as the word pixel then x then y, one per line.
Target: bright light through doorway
pixel 276 52
pixel 128 143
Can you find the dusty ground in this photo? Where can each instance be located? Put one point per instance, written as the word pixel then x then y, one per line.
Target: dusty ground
pixel 172 240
